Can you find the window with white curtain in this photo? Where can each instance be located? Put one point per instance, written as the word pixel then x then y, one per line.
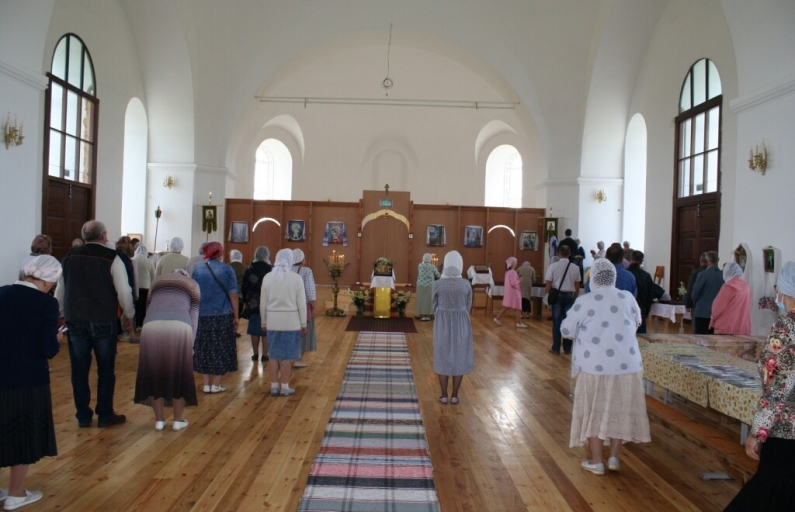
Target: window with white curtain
pixel 504 177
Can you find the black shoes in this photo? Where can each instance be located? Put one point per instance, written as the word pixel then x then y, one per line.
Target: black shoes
pixel 115 419
pixel 84 424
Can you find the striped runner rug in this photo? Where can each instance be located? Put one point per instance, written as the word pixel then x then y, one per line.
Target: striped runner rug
pixel 374 455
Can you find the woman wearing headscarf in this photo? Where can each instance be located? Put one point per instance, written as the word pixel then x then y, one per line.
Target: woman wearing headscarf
pixel 41 244
pixel 453 352
pixel 609 401
pixel 731 309
pixel 29 323
pixel 527 275
pixel 145 271
pixel 772 437
pixel 252 284
pixel 512 294
pixel 215 350
pixel 165 361
pixel 282 308
pixel 173 260
pixel 308 340
pixel 426 276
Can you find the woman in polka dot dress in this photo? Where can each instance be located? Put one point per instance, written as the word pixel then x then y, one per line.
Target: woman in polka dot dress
pixel 609 402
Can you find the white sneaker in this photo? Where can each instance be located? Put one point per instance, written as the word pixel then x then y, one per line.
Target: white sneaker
pixel 207 389
pixel 180 424
pixel 287 391
pixel 520 325
pixel 160 425
pixel 612 464
pixel 3 494
pixel 596 469
pixel 497 321
pixel 13 503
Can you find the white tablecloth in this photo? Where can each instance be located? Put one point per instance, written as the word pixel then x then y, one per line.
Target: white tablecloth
pixel 479 278
pixel 497 291
pixel 668 311
pixel 382 281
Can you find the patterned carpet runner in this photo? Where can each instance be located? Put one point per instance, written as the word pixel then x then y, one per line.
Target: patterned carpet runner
pixel 369 323
pixel 374 456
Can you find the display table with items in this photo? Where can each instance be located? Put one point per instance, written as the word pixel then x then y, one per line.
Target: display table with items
pixel 670 310
pixel 482 281
pixel 712 379
pixel 382 282
pixel 744 347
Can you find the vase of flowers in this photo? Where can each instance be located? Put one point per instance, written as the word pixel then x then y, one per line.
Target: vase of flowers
pixel 682 291
pixel 359 298
pixel 382 266
pixel 400 302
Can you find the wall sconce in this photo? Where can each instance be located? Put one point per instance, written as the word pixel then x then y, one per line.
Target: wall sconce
pixel 758 161
pixel 600 195
pixel 169 181
pixel 13 133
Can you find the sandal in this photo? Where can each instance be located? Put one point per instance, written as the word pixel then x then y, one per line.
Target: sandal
pixel 454 400
pixel 443 399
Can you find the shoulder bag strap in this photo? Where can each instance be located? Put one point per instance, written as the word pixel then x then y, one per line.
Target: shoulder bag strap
pixel 226 293
pixel 561 279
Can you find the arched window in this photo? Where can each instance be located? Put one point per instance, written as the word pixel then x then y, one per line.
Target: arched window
pixel 273 171
pixel 133 199
pixel 70 134
pixel 635 182
pixel 504 177
pixel 698 134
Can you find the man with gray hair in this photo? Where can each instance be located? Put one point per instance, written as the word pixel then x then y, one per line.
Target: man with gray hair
pixel 705 290
pixel 93 285
pixel 173 260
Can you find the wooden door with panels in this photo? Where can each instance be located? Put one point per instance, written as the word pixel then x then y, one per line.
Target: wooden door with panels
pixel 696 230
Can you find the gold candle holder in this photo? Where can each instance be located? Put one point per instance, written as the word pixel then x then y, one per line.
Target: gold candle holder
pixel 335 265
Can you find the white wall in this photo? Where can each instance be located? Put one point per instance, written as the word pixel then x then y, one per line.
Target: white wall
pixel 134 172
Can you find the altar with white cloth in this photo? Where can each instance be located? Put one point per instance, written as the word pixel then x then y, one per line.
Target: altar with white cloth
pixel 669 310
pixel 382 287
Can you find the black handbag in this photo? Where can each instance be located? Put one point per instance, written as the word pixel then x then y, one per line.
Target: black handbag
pixel 552 298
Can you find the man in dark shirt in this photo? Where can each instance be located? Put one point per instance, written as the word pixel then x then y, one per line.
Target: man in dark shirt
pixel 648 290
pixel 708 284
pixel 92 287
pixel 571 244
pixel 692 281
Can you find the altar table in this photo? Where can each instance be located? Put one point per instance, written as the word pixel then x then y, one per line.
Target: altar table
pixel 669 310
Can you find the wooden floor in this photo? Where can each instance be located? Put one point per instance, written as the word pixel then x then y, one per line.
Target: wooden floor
pixel 504 447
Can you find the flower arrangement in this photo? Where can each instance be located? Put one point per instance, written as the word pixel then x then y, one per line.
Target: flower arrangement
pixel 682 290
pixel 767 303
pixel 401 299
pixel 359 297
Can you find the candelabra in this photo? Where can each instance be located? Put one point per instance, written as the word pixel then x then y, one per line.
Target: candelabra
pixel 757 160
pixel 13 133
pixel 335 265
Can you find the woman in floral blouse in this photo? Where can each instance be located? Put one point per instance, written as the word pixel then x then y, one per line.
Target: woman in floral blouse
pixel 426 275
pixel 772 439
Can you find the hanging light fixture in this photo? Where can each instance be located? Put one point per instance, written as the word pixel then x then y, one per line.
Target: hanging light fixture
pixel 387 82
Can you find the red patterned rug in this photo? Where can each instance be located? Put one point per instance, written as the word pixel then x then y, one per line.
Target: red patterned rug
pixel 369 323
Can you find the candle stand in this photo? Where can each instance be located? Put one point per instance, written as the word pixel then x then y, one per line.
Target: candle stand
pixel 335 265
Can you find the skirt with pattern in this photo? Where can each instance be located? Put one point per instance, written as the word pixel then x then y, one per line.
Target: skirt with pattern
pixel 165 363
pixel 215 349
pixel 27 430
pixel 609 407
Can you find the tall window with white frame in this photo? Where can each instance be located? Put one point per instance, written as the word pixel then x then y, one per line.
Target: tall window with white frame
pixel 72 113
pixel 273 171
pixel 503 185
pixel 696 211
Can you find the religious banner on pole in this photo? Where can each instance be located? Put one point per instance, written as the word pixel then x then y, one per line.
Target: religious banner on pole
pixel 209 218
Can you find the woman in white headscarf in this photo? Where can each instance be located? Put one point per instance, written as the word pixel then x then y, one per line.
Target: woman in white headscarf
pixel 172 261
pixel 512 294
pixel 609 401
pixel 772 438
pixel 236 262
pixel 308 340
pixel 145 272
pixel 29 323
pixel 282 309
pixel 426 276
pixel 731 309
pixel 453 352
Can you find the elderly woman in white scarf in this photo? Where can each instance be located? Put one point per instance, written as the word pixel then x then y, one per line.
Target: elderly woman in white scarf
pixel 609 401
pixel 731 309
pixel 453 352
pixel 772 438
pixel 29 323
pixel 174 260
pixel 426 276
pixel 282 309
pixel 308 340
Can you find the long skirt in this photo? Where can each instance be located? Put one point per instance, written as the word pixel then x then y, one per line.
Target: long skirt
pixel 284 345
pixel 423 304
pixel 309 340
pixel 215 349
pixel 609 407
pixel 165 363
pixel 771 488
pixel 27 430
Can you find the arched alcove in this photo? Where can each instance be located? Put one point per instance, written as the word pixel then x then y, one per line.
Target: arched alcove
pixel 133 202
pixel 634 210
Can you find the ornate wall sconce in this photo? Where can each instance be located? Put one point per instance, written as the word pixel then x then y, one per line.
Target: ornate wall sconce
pixel 169 181
pixel 13 134
pixel 757 161
pixel 600 195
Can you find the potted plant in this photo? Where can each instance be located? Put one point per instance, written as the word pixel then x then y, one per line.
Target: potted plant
pixel 359 298
pixel 400 302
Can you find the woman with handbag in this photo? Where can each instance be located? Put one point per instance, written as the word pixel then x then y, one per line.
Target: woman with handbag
pixel 215 349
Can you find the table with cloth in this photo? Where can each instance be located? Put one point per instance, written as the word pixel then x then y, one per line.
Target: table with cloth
pixel 382 287
pixel 481 281
pixel 707 377
pixel 536 295
pixel 744 347
pixel 669 310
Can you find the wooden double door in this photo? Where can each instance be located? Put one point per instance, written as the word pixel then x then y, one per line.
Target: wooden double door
pixel 67 206
pixel 696 230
